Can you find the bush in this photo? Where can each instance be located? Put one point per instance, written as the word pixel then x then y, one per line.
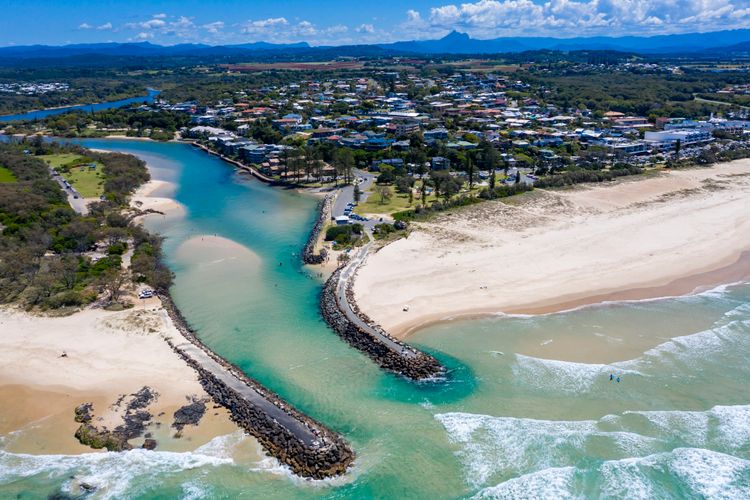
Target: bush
pixel 68 298
pixel 579 176
pixel 344 235
pixel 117 248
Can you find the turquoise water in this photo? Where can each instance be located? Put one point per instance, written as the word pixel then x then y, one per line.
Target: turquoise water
pixel 87 108
pixel 529 410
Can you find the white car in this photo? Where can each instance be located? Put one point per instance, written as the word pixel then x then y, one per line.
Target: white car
pixel 145 294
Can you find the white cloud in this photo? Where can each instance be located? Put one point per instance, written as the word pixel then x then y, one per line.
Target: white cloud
pixel 153 23
pixel 493 18
pixel 143 35
pixel 159 16
pixel 104 27
pixel 263 25
pixel 214 27
pixel 365 28
pixel 84 26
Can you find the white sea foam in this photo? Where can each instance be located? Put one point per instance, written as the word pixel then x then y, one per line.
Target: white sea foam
pixel 507 445
pixel 689 350
pixel 695 472
pixel 711 474
pixel 563 376
pixel 548 483
pixel 501 446
pixel 111 473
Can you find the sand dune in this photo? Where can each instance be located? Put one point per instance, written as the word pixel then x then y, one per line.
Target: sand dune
pixel 547 251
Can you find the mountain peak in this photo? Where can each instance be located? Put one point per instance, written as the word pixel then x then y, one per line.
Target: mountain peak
pixel 456 36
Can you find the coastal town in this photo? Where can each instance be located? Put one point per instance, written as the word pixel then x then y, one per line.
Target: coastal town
pixel 462 267
pixel 430 141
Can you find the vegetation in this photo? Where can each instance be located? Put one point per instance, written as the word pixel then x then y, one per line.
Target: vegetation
pixel 51 257
pixel 6 175
pixel 83 173
pixel 578 175
pixel 344 235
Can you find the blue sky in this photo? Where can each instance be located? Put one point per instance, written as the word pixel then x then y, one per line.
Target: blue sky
pixel 337 22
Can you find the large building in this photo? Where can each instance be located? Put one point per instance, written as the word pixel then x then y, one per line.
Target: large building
pixel 666 140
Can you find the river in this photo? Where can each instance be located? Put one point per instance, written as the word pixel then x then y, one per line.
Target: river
pixel 528 411
pixel 86 108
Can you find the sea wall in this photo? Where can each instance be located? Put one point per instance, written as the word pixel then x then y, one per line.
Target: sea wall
pixel 324 214
pixel 328 455
pixel 418 366
pixel 251 170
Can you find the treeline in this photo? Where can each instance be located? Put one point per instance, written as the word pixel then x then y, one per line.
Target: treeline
pixel 153 123
pixel 81 91
pixel 651 95
pixel 579 176
pixel 52 257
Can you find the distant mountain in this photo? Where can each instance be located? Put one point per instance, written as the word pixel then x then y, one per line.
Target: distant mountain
pixel 721 42
pixel 141 49
pixel 461 43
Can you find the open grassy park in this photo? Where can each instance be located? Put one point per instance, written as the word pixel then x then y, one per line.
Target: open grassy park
pixel 84 174
pixel 6 176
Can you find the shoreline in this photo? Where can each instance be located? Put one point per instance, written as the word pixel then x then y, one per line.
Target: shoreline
pixel 52 364
pixel 734 274
pixel 667 236
pixel 73 107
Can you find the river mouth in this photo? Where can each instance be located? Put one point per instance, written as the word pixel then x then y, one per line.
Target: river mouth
pixel 518 413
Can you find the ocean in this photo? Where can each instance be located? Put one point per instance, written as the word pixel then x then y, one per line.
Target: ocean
pixel 528 411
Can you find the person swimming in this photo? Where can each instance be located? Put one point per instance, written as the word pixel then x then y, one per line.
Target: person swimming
pixel 611 377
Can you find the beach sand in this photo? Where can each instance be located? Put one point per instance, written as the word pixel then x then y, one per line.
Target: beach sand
pixel 108 354
pixel 154 196
pixel 666 235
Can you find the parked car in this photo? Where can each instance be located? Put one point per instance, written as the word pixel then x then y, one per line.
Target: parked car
pixel 145 294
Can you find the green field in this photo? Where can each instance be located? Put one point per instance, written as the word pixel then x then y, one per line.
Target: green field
pixel 76 170
pixel 6 176
pixel 397 203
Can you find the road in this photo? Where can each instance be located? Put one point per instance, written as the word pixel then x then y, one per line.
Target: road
pixel 296 427
pixel 346 274
pixel 346 195
pixel 76 201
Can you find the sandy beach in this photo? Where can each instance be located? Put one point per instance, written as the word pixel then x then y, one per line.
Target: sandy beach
pixel 666 235
pixel 152 196
pixel 107 354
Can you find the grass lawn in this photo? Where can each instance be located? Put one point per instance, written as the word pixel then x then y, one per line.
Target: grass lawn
pixel 397 203
pixel 89 183
pixel 6 176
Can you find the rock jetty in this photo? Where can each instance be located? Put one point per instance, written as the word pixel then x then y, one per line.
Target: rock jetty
pixel 308 447
pixel 339 310
pixel 308 252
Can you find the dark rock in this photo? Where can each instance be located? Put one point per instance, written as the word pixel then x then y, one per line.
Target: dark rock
pixel 420 367
pixel 89 435
pixel 329 456
pixel 308 252
pixel 189 414
pixel 149 444
pixel 83 413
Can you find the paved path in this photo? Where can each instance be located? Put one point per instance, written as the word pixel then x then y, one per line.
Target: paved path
pixel 296 427
pixel 346 274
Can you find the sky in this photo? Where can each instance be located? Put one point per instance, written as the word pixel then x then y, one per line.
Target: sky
pixel 339 22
